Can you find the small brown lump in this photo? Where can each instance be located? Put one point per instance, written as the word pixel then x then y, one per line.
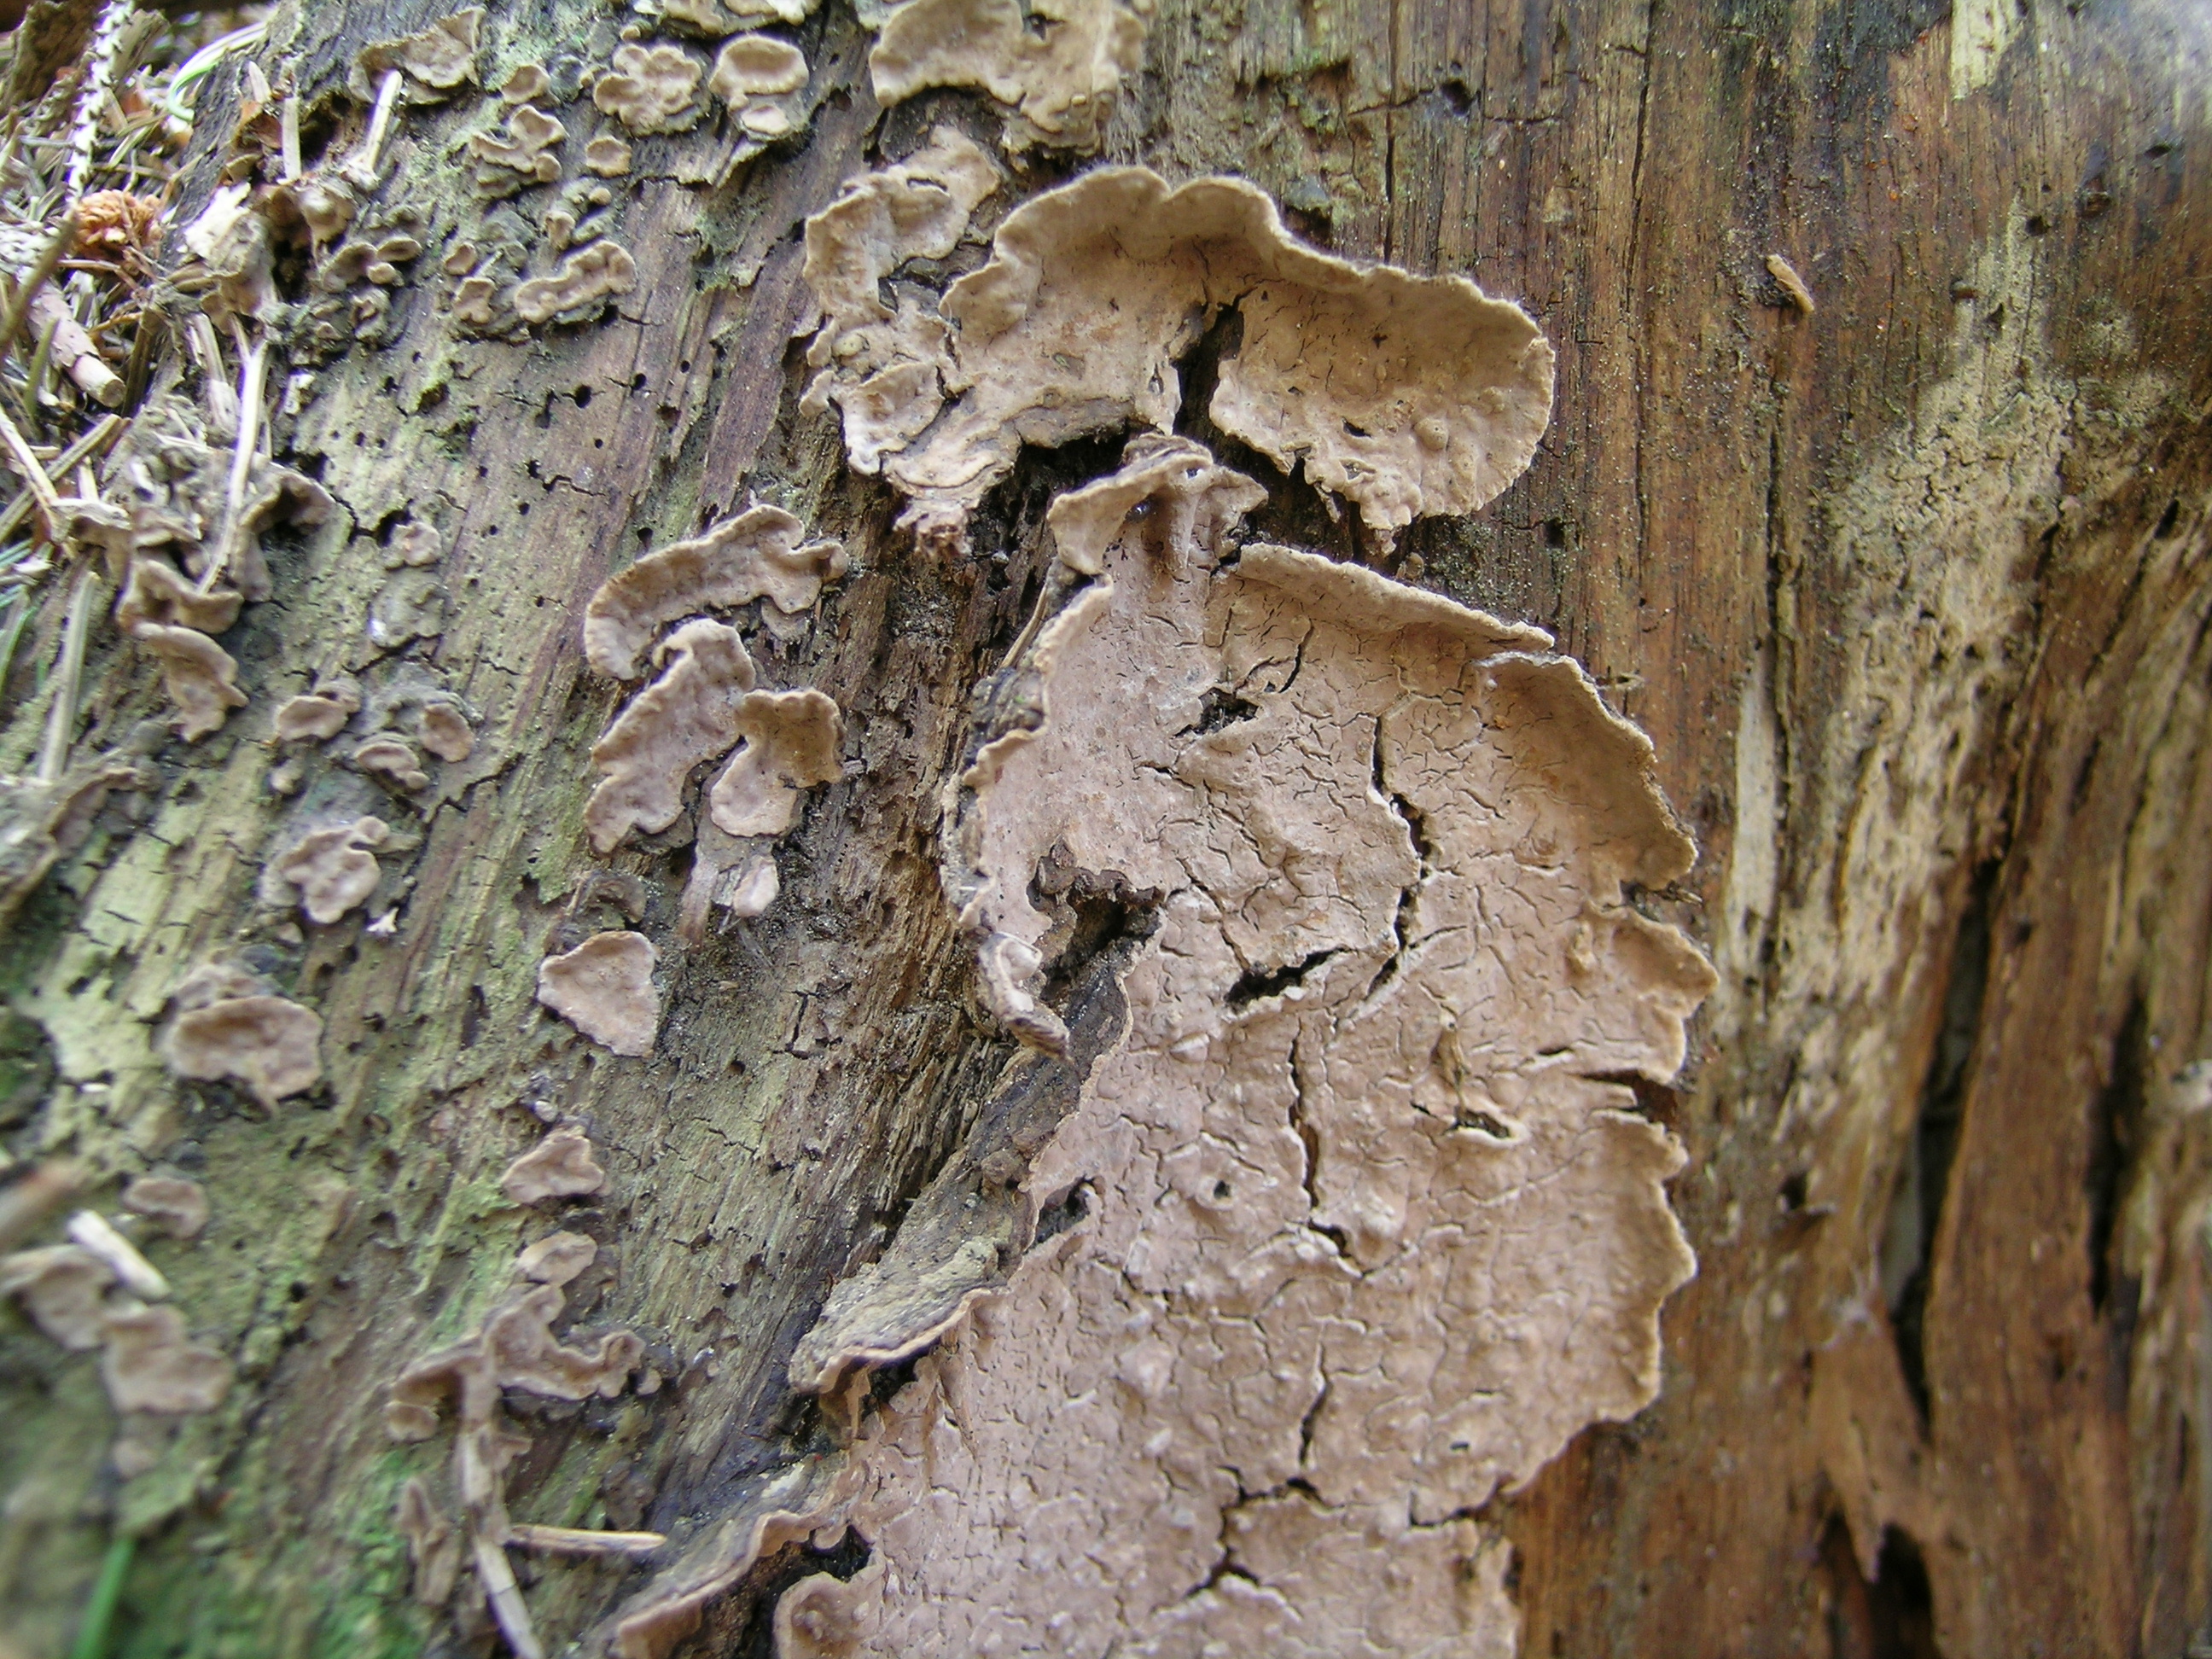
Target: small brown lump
pixel 559 1166
pixel 62 1287
pixel 524 157
pixel 445 733
pixel 603 987
pixel 582 283
pixel 392 762
pixel 791 743
pixel 319 715
pixel 556 1259
pixel 200 676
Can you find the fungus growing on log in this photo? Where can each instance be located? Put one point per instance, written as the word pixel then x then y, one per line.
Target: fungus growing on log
pixel 885 368
pixel 578 289
pixel 178 1206
pixel 556 1259
pixel 1407 395
pixel 62 1288
pixel 157 594
pixel 755 555
pixel 200 676
pixel 559 1166
pixel 607 155
pixel 759 77
pixel 1058 63
pixel 437 62
pixel 687 716
pixel 444 732
pixel 391 763
pixel 603 987
pixel 716 18
pixel 318 716
pixel 1331 1234
pixel 226 1026
pixel 650 89
pixel 525 84
pixel 790 744
pixel 523 157
pixel 335 867
pixel 149 1365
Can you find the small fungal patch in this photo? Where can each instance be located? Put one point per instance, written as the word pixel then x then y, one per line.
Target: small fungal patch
pixel 603 987
pixel 63 1288
pixel 579 288
pixel 178 1206
pixel 437 62
pixel 445 732
pixel 391 763
pixel 760 78
pixel 559 1166
pixel 319 715
pixel 158 593
pixel 150 1365
pixel 523 156
pixel 790 743
pixel 758 554
pixel 715 18
pixel 200 677
pixel 607 156
pixel 1059 64
pixel 650 89
pixel 526 84
pixel 334 868
pixel 556 1259
pixel 226 1027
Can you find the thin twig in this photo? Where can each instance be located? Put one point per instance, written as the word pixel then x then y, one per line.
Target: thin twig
pixel 506 1597
pixel 577 1541
pixel 35 475
pixel 289 127
pixel 19 306
pixel 89 447
pixel 253 358
pixel 379 121
pixel 68 670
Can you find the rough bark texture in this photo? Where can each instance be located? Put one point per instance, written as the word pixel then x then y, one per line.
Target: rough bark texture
pixel 1909 589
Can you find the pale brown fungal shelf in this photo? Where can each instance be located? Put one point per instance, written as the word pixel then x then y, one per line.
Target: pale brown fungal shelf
pixel 334 868
pixel 1058 65
pixel 603 987
pixel 226 1026
pixel 1406 395
pixel 650 89
pixel 559 1166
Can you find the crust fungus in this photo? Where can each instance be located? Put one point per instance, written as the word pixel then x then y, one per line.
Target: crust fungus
pixel 1407 395
pixel 885 367
pixel 433 1546
pixel 437 62
pixel 41 822
pixel 178 1206
pixel 759 77
pixel 319 715
pixel 578 287
pixel 559 1166
pixel 200 676
pixel 150 1366
pixel 607 155
pixel 755 555
pixel 556 1259
pixel 603 987
pixel 525 84
pixel 226 1026
pixel 650 89
pixel 416 546
pixel 62 1288
pixel 524 157
pixel 1058 63
pixel 335 868
pixel 157 594
pixel 1374 1222
pixel 716 18
pixel 391 763
pixel 687 716
pixel 791 743
pixel 444 732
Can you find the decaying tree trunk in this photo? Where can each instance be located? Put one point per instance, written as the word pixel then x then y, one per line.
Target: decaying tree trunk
pixel 1132 1113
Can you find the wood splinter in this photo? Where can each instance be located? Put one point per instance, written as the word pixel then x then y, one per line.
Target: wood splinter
pixel 1791 284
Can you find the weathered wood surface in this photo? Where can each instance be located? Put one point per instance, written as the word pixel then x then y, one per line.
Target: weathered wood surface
pixel 1909 591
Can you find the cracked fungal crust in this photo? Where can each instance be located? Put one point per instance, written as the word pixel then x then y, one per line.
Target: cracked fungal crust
pixel 1058 63
pixel 1373 1224
pixel 1407 395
